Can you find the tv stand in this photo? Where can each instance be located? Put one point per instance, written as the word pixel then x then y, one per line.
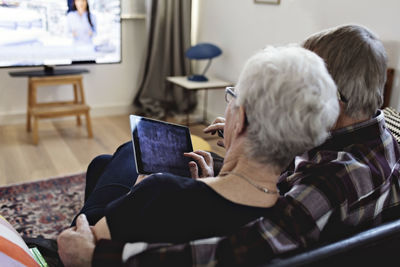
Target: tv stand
pixel 42 110
pixel 47 71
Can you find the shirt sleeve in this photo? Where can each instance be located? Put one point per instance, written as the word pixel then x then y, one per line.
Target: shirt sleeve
pixel 246 247
pixel 107 253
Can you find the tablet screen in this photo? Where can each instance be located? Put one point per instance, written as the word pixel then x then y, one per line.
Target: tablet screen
pixel 159 146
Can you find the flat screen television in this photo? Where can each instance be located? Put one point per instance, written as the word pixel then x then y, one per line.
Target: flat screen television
pixel 59 32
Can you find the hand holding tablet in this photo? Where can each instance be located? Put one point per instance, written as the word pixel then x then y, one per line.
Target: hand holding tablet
pixel 201 165
pixel 160 146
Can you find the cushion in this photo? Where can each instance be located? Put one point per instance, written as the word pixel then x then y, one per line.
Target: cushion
pixel 199 143
pixel 392 120
pixel 13 249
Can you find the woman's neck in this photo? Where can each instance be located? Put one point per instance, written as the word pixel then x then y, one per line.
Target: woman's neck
pixel 240 181
pixel 237 161
pixel 264 175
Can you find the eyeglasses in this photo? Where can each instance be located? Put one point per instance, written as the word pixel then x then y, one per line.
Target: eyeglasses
pixel 341 97
pixel 230 94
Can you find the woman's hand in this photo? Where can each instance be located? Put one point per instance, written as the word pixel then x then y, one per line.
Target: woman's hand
pixel 216 126
pixel 203 160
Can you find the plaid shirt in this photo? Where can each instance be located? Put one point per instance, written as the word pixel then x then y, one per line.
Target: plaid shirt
pixel 341 187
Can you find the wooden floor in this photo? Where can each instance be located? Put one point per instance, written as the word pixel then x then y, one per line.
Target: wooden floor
pixel 64 147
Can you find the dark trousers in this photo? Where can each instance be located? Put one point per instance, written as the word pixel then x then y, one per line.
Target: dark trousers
pixel 109 177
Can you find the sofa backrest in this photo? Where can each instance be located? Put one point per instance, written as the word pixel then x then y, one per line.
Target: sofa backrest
pixel 392 120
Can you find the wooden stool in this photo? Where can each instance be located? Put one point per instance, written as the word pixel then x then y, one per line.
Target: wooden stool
pixel 76 107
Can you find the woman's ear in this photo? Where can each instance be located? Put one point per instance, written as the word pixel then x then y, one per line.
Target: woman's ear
pixel 241 123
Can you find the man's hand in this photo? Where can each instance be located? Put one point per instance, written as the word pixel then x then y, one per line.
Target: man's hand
pixel 203 160
pixel 217 125
pixel 76 245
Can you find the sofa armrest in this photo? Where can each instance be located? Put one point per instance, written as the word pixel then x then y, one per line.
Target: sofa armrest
pixel 377 246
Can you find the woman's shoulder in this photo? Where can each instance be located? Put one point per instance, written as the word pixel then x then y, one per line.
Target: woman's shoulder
pixel 162 189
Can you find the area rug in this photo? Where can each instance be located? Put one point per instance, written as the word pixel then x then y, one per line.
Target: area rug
pixel 43 208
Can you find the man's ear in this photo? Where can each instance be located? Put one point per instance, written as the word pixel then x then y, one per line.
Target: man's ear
pixel 241 123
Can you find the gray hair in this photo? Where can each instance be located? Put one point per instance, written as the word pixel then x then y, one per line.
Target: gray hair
pixel 290 102
pixel 357 61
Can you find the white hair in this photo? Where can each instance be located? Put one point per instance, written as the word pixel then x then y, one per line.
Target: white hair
pixel 290 102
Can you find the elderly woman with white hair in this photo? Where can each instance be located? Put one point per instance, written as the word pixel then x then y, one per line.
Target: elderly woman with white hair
pixel 284 104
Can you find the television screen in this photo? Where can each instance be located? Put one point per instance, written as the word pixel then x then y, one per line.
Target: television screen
pixel 59 32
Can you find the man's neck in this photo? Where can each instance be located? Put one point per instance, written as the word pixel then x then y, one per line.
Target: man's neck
pixel 345 121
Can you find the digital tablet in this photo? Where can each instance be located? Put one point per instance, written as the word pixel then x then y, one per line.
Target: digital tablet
pixel 159 146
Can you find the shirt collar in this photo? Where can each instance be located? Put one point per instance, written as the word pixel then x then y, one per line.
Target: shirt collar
pixel 378 118
pixel 356 133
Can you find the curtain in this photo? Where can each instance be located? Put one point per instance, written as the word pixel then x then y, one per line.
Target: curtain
pixel 169 29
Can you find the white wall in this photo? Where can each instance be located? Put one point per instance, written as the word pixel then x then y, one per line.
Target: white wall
pixel 241 27
pixel 109 89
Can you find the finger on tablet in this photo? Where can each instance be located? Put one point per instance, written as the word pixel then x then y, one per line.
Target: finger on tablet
pixel 194 171
pixel 203 169
pixel 196 157
pixel 206 155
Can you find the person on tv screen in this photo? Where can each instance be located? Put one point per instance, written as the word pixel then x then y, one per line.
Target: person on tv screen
pixel 81 23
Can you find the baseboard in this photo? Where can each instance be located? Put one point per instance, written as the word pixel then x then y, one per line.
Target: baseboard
pixel 95 111
pixel 12 118
pixel 99 111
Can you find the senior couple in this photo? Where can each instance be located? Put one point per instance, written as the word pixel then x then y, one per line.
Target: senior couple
pixel 308 159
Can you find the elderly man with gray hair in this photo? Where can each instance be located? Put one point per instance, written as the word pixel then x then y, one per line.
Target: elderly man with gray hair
pixel 339 187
